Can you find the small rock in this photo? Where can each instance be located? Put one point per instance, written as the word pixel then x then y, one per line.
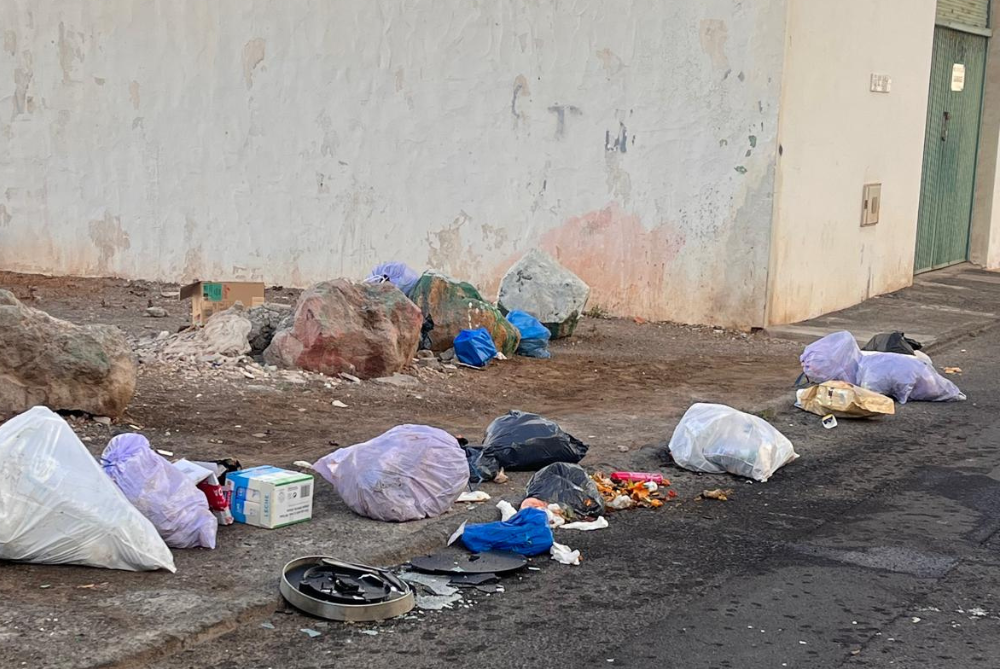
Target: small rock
pixel 430 363
pixel 349 377
pixel 425 354
pixel 170 294
pixel 103 420
pixel 448 355
pixel 258 435
pixel 156 312
pixel 398 380
pixel 339 404
pixel 623 449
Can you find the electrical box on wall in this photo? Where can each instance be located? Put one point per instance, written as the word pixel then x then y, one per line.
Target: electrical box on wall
pixel 871 204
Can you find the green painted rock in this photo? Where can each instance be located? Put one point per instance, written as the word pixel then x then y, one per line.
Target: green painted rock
pixel 455 306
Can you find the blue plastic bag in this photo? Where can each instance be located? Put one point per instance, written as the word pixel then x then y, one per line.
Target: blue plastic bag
pixel 161 492
pixel 526 533
pixel 397 273
pixel 534 335
pixel 475 347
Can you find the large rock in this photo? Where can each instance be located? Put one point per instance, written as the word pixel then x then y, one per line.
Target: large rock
pixel 455 306
pixel 66 367
pixel 265 320
pixel 545 289
pixel 369 330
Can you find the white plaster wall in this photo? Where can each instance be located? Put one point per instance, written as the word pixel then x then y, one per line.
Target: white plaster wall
pixel 984 242
pixel 835 136
pixel 294 141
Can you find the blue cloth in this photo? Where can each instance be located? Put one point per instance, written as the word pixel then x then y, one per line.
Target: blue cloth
pixel 526 533
pixel 534 335
pixel 475 347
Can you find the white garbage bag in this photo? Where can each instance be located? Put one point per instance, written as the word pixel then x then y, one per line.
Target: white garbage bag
pixel 906 377
pixel 835 357
pixel 408 473
pixel 58 507
pixel 714 438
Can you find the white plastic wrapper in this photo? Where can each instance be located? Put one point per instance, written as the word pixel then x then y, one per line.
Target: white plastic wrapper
pixel 408 473
pixel 58 507
pixel 715 439
pixel 906 377
pixel 835 357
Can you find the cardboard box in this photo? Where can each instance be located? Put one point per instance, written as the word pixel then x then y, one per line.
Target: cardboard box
pixel 270 497
pixel 209 297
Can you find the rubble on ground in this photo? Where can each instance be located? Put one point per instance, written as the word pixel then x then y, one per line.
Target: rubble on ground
pixel 55 363
pixel 225 334
pixel 265 320
pixel 367 330
pixel 455 306
pixel 540 286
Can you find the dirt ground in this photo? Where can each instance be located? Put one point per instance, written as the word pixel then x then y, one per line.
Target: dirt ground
pixel 615 383
pixel 618 385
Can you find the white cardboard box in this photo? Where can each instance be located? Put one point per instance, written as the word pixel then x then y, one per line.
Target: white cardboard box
pixel 270 497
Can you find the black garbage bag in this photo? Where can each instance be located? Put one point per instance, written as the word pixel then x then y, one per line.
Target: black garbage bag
pixel 527 442
pixel 425 333
pixel 570 487
pixel 892 342
pixel 479 469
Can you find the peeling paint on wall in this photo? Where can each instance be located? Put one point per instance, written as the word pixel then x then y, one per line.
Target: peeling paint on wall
pixel 714 33
pixel 109 238
pixel 253 54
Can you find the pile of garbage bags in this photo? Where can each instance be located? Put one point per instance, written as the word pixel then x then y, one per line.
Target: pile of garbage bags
pixel 57 506
pixel 904 375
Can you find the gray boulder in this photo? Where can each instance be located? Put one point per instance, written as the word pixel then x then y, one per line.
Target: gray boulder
pixel 66 367
pixel 545 289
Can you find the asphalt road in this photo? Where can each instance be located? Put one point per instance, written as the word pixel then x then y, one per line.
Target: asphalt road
pixel 877 548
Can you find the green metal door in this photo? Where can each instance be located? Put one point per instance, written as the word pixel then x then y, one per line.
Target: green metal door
pixel 950 144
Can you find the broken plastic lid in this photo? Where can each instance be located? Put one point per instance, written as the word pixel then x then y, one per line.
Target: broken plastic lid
pixel 328 588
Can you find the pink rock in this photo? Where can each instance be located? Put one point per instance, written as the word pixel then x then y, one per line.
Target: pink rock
pixel 369 330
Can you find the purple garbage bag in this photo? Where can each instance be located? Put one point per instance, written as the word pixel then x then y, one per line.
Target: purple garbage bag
pixel 161 492
pixel 407 473
pixel 905 377
pixel 835 357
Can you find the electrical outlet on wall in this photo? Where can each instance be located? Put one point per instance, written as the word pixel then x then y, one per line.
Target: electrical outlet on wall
pixel 871 204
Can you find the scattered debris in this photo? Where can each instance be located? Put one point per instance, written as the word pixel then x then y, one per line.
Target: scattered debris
pixel 328 588
pixel 349 377
pixel 952 370
pixel 212 297
pixel 564 554
pixel 437 602
pixel 829 421
pixel 267 625
pixel 339 404
pixel 398 380
pixel 717 493
pixel 477 496
pixel 534 336
pixel 311 633
pixel 437 585
pixel 156 312
pixel 526 533
pixel 626 493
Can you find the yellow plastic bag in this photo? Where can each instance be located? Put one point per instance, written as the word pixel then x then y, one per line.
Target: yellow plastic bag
pixel 843 400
